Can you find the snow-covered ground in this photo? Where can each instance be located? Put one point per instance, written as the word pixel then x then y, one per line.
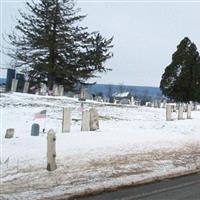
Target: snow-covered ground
pixel 133 143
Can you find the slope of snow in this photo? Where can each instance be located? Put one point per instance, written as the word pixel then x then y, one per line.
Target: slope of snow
pixel 133 143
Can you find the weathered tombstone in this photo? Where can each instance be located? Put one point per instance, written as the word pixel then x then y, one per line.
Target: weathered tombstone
pixel 195 107
pixel 164 104
pixel 94 119
pixel 184 107
pixel 189 111
pixel 66 121
pixel 35 129
pixel 10 76
pixel 155 104
pixel 85 123
pixel 180 112
pixel 14 85
pixel 82 95
pixel 60 90
pixel 10 133
pixel 26 87
pixel 55 90
pixel 51 151
pixel 43 89
pixel 168 112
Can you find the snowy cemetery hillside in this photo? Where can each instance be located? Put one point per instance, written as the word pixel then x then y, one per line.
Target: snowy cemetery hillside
pixel 133 143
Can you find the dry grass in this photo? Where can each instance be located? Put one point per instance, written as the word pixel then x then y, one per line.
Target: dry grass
pixel 75 172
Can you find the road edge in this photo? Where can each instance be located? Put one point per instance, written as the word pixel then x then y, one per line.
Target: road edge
pixel 93 192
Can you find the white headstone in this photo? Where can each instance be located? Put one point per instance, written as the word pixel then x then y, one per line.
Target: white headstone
pixel 189 111
pixel 26 87
pixel 10 133
pixel 55 90
pixel 164 104
pixel 66 121
pixel 180 112
pixel 85 123
pixel 43 89
pixel 168 112
pixel 51 151
pixel 14 85
pixel 60 90
pixel 94 119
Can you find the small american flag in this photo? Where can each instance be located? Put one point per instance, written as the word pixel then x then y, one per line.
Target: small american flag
pixel 40 115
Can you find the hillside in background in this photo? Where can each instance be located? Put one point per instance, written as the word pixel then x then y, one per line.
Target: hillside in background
pixel 104 88
pixel 135 90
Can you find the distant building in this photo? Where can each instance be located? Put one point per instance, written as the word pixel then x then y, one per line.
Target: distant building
pixel 123 98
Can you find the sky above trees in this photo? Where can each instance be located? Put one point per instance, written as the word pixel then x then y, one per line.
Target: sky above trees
pixel 145 34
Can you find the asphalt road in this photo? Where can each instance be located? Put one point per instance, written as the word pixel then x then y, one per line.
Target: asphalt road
pixel 182 188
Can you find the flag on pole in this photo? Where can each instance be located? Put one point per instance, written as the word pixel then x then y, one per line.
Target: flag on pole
pixel 40 115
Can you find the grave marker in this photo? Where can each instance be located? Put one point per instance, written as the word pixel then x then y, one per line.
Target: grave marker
pixel 189 111
pixel 51 151
pixel 10 133
pixel 168 112
pixel 66 121
pixel 55 90
pixel 85 123
pixel 26 87
pixel 35 129
pixel 14 85
pixel 94 119
pixel 60 90
pixel 180 112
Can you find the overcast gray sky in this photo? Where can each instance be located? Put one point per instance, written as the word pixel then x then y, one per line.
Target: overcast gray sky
pixel 146 34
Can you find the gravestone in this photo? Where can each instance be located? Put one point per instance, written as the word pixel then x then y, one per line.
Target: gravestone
pixel 155 104
pixel 168 112
pixel 66 121
pixel 94 119
pixel 10 133
pixel 159 104
pixel 164 103
pixel 194 107
pixel 35 129
pixel 55 90
pixel 180 112
pixel 85 123
pixel 43 89
pixel 14 85
pixel 51 151
pixel 82 95
pixel 189 111
pixel 60 90
pixel 10 76
pixel 26 87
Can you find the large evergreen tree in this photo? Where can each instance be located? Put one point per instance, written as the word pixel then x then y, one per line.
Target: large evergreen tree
pixel 50 44
pixel 181 79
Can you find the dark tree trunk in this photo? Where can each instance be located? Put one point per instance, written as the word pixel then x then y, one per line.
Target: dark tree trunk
pixel 51 81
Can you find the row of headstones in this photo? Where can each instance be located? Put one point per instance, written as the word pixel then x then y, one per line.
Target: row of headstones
pixel 89 122
pixel 175 106
pixel 181 109
pixel 58 90
pixel 156 104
